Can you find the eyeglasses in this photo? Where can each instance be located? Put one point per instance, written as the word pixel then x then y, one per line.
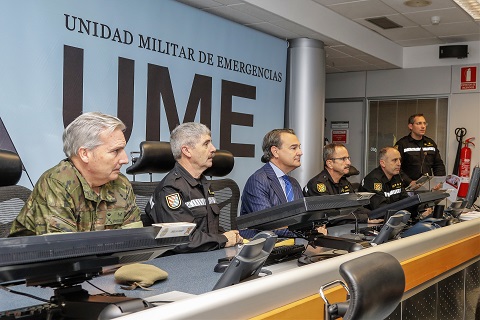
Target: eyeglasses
pixel 343 159
pixel 420 123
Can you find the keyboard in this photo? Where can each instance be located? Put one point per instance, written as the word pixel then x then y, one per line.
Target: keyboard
pixel 284 253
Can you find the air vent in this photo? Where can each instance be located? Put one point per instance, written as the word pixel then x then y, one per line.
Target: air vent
pixel 384 23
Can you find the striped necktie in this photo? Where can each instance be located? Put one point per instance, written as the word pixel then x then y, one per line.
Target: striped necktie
pixel 288 188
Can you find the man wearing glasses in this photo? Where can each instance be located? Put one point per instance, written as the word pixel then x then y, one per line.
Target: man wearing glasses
pixel 332 180
pixel 419 153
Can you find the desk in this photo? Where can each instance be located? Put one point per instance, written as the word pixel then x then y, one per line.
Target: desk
pixel 285 286
pixel 190 273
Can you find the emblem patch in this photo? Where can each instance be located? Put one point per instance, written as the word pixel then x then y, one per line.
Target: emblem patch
pixel 321 187
pixel 377 186
pixel 173 201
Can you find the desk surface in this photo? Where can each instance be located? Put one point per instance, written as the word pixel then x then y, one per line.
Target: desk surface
pixel 190 273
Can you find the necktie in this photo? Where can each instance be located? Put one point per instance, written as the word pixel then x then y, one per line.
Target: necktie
pixel 288 188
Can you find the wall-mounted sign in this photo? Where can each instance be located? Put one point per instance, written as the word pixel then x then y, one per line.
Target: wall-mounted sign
pixel 340 136
pixel 468 78
pixel 339 124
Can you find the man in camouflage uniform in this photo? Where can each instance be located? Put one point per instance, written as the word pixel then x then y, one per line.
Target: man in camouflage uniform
pixel 86 191
pixel 184 194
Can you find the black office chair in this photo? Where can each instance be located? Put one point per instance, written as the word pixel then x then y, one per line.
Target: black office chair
pixel 154 157
pixel 227 193
pixel 375 286
pixel 352 171
pixel 12 196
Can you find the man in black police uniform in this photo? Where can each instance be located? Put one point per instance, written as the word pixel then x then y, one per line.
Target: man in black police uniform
pixel 419 153
pixel 385 180
pixel 184 194
pixel 332 179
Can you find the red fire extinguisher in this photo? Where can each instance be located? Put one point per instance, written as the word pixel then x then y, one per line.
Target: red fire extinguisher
pixel 464 168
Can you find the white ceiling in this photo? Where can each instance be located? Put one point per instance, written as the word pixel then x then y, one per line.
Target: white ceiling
pixel 351 42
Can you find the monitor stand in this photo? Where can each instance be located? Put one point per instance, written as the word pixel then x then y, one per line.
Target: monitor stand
pixel 76 303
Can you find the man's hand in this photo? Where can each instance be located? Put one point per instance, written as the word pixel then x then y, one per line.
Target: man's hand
pixel 437 187
pixel 376 221
pixel 233 238
pixel 322 230
pixel 425 213
pixel 413 186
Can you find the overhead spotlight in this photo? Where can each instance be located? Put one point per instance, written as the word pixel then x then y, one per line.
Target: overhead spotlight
pixel 417 3
pixel 435 20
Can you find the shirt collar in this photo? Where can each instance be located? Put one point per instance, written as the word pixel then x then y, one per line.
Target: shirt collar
pixel 190 179
pixel 279 173
pixel 88 191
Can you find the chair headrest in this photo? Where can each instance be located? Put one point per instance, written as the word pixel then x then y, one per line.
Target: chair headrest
pixel 366 277
pixel 10 168
pixel 352 172
pixel 222 165
pixel 155 157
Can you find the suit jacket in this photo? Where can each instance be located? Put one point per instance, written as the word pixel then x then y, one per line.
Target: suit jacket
pixel 263 190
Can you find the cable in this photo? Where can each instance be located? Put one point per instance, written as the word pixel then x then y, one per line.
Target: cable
pixel 24 294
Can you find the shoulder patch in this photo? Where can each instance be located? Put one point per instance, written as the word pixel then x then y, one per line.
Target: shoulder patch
pixel 377 186
pixel 321 187
pixel 173 200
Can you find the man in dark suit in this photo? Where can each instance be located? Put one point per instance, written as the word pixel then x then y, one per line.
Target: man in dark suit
pixel 267 186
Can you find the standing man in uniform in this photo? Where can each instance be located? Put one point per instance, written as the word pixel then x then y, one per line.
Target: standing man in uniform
pixel 385 180
pixel 184 194
pixel 419 153
pixel 86 191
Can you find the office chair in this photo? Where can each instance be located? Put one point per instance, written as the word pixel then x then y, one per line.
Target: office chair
pixel 226 190
pixel 154 157
pixel 374 283
pixel 352 171
pixel 12 196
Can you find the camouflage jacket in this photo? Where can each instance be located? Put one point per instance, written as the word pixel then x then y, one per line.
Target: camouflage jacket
pixel 63 201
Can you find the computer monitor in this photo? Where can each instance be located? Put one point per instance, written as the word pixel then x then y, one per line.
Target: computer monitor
pixel 248 262
pixel 392 228
pixel 473 188
pixel 411 204
pixel 61 259
pixel 303 212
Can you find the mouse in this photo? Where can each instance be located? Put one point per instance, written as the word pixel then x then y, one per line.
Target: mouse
pixel 221 266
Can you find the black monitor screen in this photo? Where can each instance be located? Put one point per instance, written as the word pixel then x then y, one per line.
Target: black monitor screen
pixel 247 263
pixel 302 212
pixel 411 204
pixel 38 260
pixel 392 227
pixel 473 188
